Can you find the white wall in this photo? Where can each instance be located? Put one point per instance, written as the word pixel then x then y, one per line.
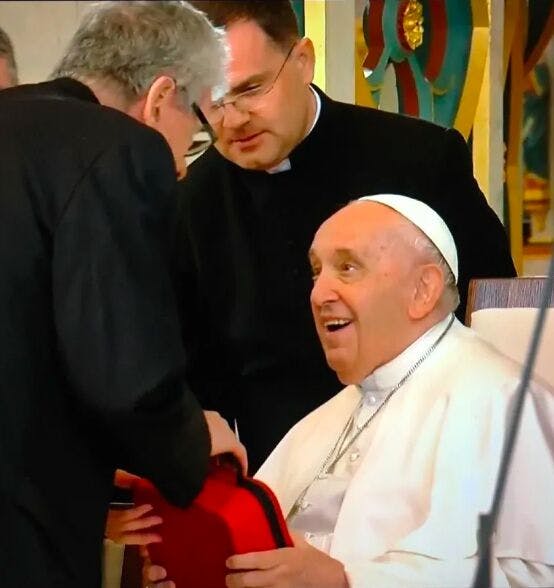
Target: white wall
pixel 39 32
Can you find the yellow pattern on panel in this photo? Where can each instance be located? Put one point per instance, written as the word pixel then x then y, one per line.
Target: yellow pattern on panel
pixel 315 25
pixel 514 172
pixel 363 93
pixel 475 68
pixel 412 24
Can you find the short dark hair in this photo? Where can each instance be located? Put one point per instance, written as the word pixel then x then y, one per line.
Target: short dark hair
pixel 6 50
pixel 275 17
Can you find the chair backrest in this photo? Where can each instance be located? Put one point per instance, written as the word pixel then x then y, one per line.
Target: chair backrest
pixel 503 311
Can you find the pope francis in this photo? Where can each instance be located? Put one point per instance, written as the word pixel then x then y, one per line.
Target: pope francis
pixel 388 478
pixel 383 485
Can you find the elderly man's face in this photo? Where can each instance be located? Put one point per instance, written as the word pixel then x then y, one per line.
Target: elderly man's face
pixel 363 278
pixel 274 106
pixel 6 80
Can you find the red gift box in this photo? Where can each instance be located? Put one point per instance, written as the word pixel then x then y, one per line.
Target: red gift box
pixel 232 514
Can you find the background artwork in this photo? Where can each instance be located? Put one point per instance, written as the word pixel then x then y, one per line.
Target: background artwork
pixel 536 160
pixel 436 52
pixel 529 195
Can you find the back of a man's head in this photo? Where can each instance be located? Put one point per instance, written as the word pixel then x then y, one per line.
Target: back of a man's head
pixel 8 67
pixel 130 44
pixel 275 17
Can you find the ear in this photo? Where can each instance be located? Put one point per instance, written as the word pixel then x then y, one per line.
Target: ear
pixel 305 56
pixel 158 96
pixel 427 292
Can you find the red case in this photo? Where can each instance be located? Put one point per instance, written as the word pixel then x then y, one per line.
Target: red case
pixel 232 514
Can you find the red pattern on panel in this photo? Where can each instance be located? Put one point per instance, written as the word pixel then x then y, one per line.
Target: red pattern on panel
pixel 373 33
pixel 437 43
pixel 406 82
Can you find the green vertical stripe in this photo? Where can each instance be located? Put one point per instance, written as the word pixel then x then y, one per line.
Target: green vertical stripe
pixel 298 7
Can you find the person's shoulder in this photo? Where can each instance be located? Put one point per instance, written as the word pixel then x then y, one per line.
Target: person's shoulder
pixel 79 115
pixel 116 125
pixel 118 138
pixel 362 117
pixel 483 365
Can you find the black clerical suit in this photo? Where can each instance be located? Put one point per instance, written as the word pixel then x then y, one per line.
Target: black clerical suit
pixel 91 358
pixel 242 246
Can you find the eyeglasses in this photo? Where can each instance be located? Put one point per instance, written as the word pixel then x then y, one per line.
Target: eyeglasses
pixel 205 137
pixel 248 100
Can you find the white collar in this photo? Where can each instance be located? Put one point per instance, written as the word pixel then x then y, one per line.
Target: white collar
pixel 285 164
pixel 317 110
pixel 389 374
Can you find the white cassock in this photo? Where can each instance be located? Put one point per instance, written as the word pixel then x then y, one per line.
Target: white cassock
pixel 428 467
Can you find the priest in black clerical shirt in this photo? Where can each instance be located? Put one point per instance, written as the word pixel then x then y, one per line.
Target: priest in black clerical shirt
pixel 286 158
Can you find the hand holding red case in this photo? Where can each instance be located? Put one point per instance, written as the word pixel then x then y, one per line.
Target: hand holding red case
pixel 232 514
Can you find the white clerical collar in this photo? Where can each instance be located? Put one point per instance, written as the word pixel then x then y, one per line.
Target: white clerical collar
pixel 285 164
pixel 389 374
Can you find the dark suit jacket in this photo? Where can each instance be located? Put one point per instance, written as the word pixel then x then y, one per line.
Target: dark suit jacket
pixel 243 242
pixel 91 358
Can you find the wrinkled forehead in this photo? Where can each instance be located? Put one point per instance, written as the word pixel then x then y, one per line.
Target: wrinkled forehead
pixel 361 222
pixel 360 225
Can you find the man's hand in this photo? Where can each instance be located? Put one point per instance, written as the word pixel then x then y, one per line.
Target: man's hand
pixel 128 527
pixel 224 440
pixel 123 479
pixel 153 576
pixel 302 566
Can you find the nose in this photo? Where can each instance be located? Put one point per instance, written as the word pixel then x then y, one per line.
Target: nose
pixel 323 290
pixel 233 117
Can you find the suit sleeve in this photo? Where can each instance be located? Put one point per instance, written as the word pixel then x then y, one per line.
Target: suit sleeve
pixel 116 320
pixel 474 225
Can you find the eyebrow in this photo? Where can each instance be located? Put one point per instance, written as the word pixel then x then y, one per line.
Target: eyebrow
pixel 341 253
pixel 242 86
pixel 345 252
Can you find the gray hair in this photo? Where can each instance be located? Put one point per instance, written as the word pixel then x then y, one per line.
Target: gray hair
pixel 133 43
pixel 429 251
pixel 6 50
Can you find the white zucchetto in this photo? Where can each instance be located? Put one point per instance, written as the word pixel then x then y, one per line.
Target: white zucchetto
pixel 426 220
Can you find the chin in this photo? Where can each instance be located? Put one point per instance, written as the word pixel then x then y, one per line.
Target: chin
pixel 258 159
pixel 347 379
pixel 256 162
pixel 252 164
pixel 344 373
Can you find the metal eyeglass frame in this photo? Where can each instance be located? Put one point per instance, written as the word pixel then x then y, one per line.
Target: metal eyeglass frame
pixel 223 102
pixel 199 145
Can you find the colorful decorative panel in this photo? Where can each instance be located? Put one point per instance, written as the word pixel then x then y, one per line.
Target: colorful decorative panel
pixel 536 163
pixel 431 46
pixel 525 111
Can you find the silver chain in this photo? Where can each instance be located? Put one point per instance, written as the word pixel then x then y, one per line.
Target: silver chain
pixel 339 447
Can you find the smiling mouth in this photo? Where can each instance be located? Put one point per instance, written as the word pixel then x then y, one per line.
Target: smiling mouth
pixel 332 326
